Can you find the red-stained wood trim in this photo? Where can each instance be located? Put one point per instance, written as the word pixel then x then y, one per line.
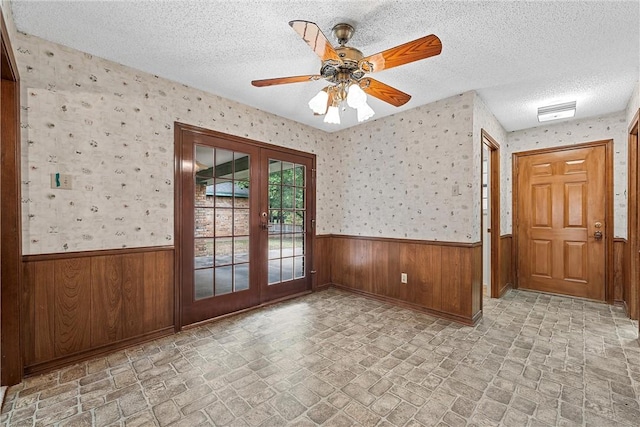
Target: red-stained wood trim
pixel 101 252
pixel 10 216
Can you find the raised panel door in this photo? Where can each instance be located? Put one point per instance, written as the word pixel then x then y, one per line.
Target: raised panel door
pixel 561 209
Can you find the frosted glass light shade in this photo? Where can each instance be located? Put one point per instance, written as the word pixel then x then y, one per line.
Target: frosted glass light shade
pixel 319 102
pixel 332 116
pixel 356 96
pixel 556 112
pixel 365 112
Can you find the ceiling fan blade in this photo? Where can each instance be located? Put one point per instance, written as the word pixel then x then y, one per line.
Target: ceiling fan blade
pixel 285 80
pixel 384 92
pixel 416 50
pixel 317 41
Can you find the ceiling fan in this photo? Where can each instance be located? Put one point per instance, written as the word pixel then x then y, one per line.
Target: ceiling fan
pixel 346 67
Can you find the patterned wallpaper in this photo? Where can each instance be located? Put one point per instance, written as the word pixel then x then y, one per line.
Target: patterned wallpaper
pixel 611 126
pixel 412 175
pixel 484 119
pixel 111 128
pixel 398 175
pixel 634 104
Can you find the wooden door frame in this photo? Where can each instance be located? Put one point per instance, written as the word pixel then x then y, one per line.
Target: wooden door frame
pixel 494 207
pixel 181 170
pixel 608 220
pixel 633 222
pixel 11 364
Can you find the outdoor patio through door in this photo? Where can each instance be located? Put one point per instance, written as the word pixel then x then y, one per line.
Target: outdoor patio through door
pixel 243 223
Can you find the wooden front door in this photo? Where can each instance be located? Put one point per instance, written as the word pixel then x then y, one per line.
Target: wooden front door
pixel 560 222
pixel 245 223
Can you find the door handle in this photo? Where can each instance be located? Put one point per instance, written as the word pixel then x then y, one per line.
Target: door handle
pixel 264 222
pixel 597 235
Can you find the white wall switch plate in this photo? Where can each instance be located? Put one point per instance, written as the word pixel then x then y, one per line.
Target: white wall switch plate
pixel 403 277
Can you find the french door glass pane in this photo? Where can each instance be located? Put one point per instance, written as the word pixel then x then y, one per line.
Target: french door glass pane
pixel 241 222
pixel 298 263
pixel 287 173
pixel 241 277
pixel 203 250
pixel 241 249
pixel 299 175
pixel 203 283
pixel 221 222
pixel 275 196
pixel 274 246
pixel 222 192
pixel 287 269
pixel 298 244
pixel 286 219
pixel 275 172
pixel 224 250
pixel 224 280
pixel 274 271
pixel 224 222
pixel 287 197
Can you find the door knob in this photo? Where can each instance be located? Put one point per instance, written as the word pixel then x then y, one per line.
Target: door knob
pixel 598 235
pixel 264 221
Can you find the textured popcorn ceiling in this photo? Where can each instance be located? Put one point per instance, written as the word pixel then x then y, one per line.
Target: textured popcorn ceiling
pixel 517 55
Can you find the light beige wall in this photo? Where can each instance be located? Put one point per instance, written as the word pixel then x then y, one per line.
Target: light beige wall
pixel 112 129
pixel 397 175
pixel 611 126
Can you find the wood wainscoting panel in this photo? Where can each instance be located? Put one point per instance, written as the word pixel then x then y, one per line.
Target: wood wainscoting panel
pixel 506 263
pixel 106 299
pixel 81 304
pixel 133 300
pixel 621 288
pixel 456 264
pixel 321 261
pixel 72 305
pixel 443 278
pixel 476 280
pixel 161 286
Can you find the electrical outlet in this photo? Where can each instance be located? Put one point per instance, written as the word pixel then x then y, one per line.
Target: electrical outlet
pixel 403 277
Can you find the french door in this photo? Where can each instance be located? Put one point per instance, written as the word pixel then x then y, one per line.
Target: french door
pixel 245 220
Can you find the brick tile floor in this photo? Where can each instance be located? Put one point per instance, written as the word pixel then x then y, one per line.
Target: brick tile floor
pixel 337 359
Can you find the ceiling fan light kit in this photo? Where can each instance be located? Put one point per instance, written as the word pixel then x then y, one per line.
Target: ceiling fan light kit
pixel 345 67
pixel 318 103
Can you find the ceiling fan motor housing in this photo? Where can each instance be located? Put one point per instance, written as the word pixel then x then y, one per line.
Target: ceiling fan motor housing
pixel 336 71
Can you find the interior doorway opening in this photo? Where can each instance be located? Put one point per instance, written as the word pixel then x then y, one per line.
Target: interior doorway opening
pixel 486 221
pixel 490 217
pixel 631 294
